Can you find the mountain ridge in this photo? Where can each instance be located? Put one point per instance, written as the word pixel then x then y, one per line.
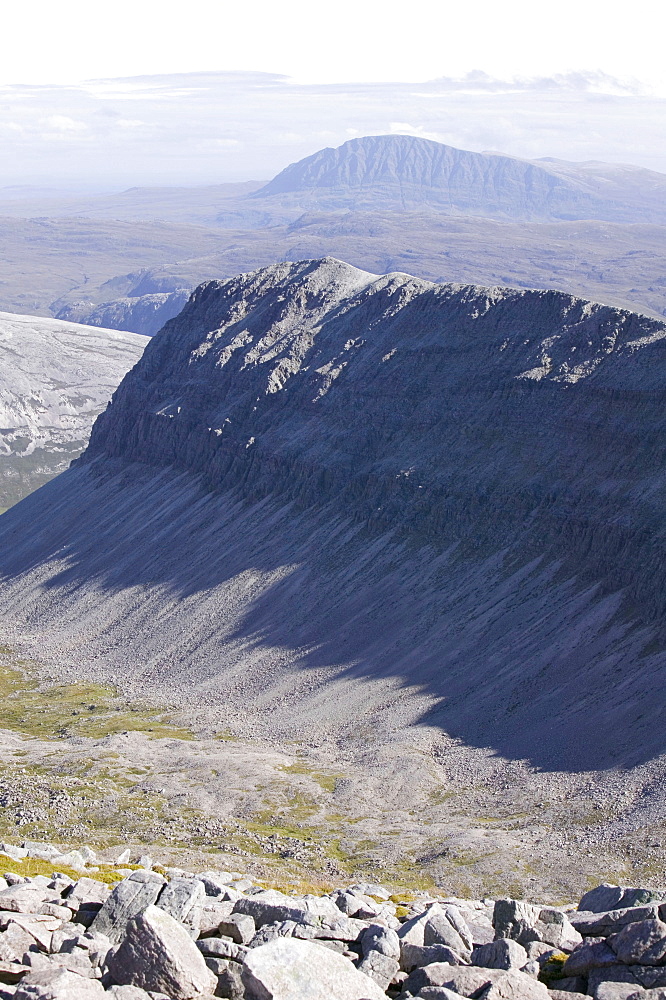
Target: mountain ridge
pixel 350 497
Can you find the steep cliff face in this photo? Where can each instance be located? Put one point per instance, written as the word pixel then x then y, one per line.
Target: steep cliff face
pixel 406 172
pixel 54 379
pixel 332 495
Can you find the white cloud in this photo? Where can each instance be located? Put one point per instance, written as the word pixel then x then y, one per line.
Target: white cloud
pixel 63 123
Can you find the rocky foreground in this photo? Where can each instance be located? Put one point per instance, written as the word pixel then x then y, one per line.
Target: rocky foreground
pixel 137 932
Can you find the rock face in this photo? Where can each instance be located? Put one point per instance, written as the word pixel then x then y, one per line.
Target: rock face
pixel 403 172
pixel 383 482
pixel 54 379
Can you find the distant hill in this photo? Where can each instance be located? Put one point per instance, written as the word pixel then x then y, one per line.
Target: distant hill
pixel 404 172
pixel 54 379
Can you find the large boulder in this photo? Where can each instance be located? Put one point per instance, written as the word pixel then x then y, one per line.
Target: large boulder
pixel 58 984
pixel 640 943
pixel 129 898
pixel 157 954
pixel 610 921
pixel 470 981
pixel 291 969
pixel 500 954
pixel 615 897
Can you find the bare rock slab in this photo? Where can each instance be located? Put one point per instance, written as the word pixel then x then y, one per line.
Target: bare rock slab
pixel 59 984
pixel 157 954
pixel 129 898
pixel 291 969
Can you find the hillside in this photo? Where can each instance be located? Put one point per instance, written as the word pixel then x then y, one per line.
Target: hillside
pixel 334 489
pixel 404 172
pixel 54 380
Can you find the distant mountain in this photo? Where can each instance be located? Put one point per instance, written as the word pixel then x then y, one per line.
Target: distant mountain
pixel 54 380
pixel 403 173
pixel 328 502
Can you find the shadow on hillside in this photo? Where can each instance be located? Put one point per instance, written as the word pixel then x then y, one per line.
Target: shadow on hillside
pixel 522 660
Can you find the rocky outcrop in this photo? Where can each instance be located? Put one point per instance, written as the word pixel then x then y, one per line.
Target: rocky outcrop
pixel 326 483
pixel 54 379
pixel 144 314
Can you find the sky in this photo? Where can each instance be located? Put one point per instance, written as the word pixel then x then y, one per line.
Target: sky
pixel 135 92
pixel 348 41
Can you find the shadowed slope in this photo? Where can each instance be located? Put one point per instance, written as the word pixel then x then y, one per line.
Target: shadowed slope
pixel 435 501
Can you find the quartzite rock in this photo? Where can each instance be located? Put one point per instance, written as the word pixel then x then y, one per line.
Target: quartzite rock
pixel 157 954
pixel 500 954
pixel 288 969
pixel 615 897
pixel 128 899
pixel 640 943
pixel 58 984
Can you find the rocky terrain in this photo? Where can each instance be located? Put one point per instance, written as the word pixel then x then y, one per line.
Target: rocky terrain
pixel 432 636
pixel 84 926
pixel 55 378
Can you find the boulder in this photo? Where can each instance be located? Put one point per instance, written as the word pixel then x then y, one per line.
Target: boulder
pixel 413 956
pixel 514 985
pixel 240 927
pixel 502 953
pixel 555 929
pixel 640 943
pixel 127 993
pixel 611 921
pixel 381 939
pixel 129 898
pixel 58 984
pixel 438 925
pixel 14 942
pixel 290 969
pixel 179 896
pixel 614 897
pixel 222 947
pixel 515 919
pixel 382 968
pixel 157 954
pixel 617 991
pixel 27 897
pixel 596 955
pixel 208 916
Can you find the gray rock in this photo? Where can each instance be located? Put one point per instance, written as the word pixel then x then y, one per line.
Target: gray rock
pixel 554 928
pixel 610 921
pixel 514 985
pixel 127 993
pixel 230 983
pixel 240 927
pixel 571 984
pixel 515 919
pixel 616 991
pixel 413 956
pixel 222 948
pixel 618 974
pixel 209 916
pixel 179 896
pixel 380 939
pixel 656 994
pixel 14 942
pixel 58 984
pixel 129 898
pixel 24 898
pixel 438 993
pixel 614 897
pixel 567 995
pixel 596 955
pixel 502 953
pixel 158 954
pixel 289 968
pixel 381 968
pixel 271 907
pixel 466 980
pixel 640 943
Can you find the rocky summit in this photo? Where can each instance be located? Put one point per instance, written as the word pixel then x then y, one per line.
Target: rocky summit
pixel 145 932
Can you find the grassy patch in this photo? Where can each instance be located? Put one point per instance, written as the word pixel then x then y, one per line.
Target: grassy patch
pixel 325 781
pixel 59 711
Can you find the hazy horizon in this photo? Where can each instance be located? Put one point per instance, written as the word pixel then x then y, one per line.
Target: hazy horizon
pixel 209 128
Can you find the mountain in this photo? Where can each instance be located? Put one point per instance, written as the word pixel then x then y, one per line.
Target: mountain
pixel 54 379
pixel 327 503
pixel 403 173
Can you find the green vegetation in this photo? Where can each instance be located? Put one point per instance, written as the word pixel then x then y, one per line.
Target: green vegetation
pixel 57 711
